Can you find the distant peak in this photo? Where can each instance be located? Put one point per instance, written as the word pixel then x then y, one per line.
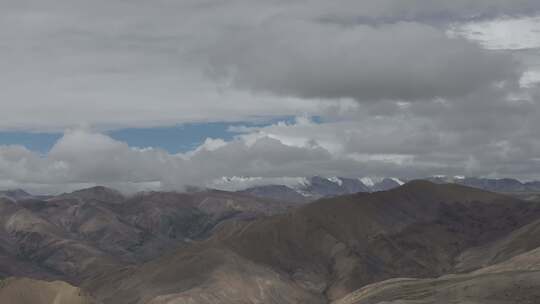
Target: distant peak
pixel 15 194
pixel 16 191
pixel 100 193
pixel 97 189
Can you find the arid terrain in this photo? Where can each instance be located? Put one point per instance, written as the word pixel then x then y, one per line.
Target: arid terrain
pixel 418 243
pixel 270 152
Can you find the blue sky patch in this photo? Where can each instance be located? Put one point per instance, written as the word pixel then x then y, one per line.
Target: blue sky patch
pixel 40 142
pixel 175 139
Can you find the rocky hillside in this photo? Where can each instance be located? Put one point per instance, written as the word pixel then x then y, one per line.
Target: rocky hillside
pixel 324 251
pixel 514 281
pixel 421 242
pixel 77 235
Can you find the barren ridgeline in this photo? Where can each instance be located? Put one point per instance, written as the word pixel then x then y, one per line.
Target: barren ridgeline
pixel 422 242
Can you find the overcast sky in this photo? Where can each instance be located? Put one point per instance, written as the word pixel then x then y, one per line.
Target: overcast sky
pixel 265 88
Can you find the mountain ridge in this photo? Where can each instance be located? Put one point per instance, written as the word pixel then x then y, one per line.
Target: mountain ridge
pixel 215 246
pixel 319 187
pixel 330 248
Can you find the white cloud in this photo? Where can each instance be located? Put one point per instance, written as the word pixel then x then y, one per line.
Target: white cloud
pixel 82 158
pixel 397 95
pixel 506 33
pixel 406 146
pixel 112 64
pixel 518 34
pixel 211 144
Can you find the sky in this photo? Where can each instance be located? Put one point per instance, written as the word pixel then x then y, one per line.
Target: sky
pixel 161 95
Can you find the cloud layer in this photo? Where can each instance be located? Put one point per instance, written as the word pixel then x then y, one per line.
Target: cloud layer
pixel 400 61
pixel 403 88
pixel 274 154
pixel 117 64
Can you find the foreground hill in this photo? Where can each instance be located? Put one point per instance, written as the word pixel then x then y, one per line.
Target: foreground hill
pixel 419 243
pixel 326 250
pixel 28 291
pixel 514 281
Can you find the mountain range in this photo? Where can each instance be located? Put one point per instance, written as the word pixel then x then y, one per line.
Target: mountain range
pixel 317 187
pixel 419 242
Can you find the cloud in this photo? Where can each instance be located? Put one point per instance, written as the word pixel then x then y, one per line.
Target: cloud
pixel 435 11
pixel 408 145
pixel 83 158
pixel 396 94
pixel 116 64
pixel 505 33
pixel 401 61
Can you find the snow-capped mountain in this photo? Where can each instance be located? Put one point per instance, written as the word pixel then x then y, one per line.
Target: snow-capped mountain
pixel 320 187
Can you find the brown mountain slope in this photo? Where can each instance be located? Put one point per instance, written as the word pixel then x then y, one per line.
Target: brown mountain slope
pixel 193 215
pixel 202 276
pixel 90 231
pixel 49 251
pixel 491 288
pixel 517 242
pixel 516 281
pixel 332 247
pixel 28 291
pixel 98 193
pixel 416 230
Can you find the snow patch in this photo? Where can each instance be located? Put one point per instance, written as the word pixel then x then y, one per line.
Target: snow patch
pixel 398 181
pixel 303 193
pixel 335 180
pixel 370 181
pixel 236 183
